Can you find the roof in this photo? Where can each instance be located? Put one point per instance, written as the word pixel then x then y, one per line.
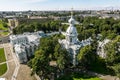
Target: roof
pixel 71 20
pixel 19 48
pixel 53 63
pixel 71 30
pixel 32 38
pixel 13 37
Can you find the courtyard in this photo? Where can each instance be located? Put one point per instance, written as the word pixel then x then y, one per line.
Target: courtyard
pixel 9 67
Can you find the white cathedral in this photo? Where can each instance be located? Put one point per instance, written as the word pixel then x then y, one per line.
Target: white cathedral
pixel 71 42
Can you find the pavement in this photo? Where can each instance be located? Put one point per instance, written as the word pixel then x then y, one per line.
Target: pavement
pixel 10 57
pixel 16 63
pixel 109 77
pixel 6 62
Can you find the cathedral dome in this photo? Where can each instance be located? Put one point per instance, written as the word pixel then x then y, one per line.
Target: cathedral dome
pixel 71 20
pixel 71 30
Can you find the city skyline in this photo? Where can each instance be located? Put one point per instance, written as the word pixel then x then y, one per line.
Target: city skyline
pixel 22 5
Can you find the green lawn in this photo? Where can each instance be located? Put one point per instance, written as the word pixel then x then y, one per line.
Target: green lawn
pixel 95 78
pixel 4 33
pixel 2 55
pixel 2 27
pixel 3 69
pixel 78 76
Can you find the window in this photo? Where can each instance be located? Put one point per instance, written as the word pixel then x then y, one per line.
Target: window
pixel 70 39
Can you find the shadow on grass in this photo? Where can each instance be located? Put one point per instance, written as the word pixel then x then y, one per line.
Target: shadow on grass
pixel 101 68
pixel 77 76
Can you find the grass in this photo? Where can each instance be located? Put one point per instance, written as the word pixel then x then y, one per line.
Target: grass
pixel 95 78
pixel 3 69
pixel 2 55
pixel 2 27
pixel 78 76
pixel 4 33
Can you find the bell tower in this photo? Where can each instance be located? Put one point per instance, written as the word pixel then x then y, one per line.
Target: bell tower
pixel 71 33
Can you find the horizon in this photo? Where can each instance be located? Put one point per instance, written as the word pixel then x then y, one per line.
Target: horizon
pixel 59 5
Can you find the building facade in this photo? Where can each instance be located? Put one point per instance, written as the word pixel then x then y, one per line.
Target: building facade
pixel 25 44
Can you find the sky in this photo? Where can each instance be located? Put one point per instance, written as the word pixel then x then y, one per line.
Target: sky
pixel 22 5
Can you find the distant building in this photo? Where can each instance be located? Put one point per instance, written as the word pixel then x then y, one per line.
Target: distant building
pixel 13 22
pixel 101 46
pixel 71 43
pixel 37 17
pixel 25 44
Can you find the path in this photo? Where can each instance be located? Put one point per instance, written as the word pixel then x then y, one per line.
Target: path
pixel 16 63
pixel 6 62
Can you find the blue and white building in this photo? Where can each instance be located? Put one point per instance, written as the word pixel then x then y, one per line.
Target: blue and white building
pixel 25 44
pixel 71 42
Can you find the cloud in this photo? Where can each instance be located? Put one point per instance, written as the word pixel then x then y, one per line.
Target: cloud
pixel 34 1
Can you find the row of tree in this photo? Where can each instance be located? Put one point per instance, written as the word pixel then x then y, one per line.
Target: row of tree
pixel 90 26
pixel 46 27
pixel 108 27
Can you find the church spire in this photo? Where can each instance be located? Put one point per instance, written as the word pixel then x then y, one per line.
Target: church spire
pixel 71 12
pixel 71 20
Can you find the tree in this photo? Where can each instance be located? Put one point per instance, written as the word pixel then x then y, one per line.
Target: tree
pixel 87 56
pixel 39 59
pixel 112 52
pixel 62 56
pixel 116 69
pixel 49 50
pixel 113 55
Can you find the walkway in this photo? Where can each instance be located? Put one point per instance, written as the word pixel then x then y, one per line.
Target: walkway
pixel 9 61
pixel 6 62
